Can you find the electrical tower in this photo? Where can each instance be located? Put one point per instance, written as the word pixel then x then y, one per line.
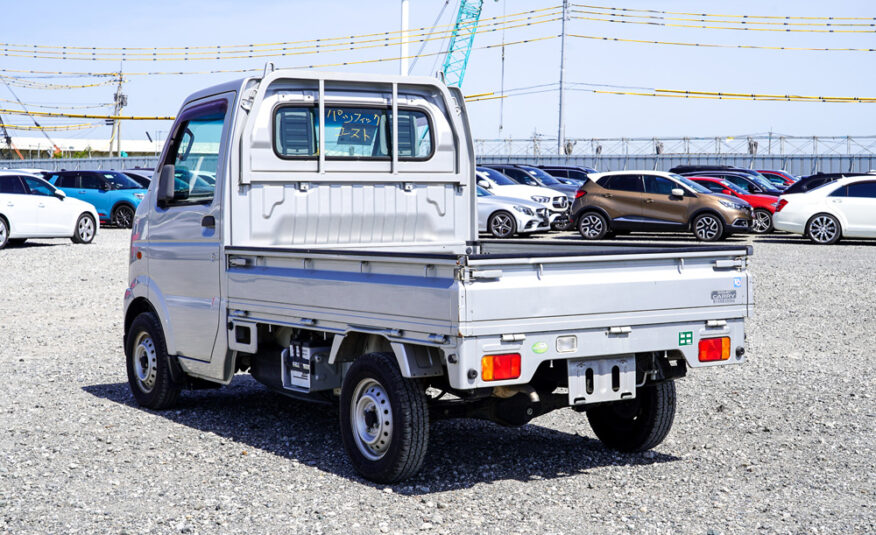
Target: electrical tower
pixel 120 100
pixel 463 35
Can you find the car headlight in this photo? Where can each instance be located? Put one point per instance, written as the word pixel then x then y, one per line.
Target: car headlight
pixel 540 200
pixel 523 209
pixel 139 195
pixel 735 206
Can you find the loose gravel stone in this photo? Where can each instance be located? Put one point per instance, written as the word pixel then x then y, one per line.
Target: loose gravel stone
pixel 781 444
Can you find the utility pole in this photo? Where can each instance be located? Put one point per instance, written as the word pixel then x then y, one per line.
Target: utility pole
pixel 120 100
pixel 561 123
pixel 403 58
pixel 502 87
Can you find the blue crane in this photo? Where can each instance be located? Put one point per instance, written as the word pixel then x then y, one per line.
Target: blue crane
pixel 459 48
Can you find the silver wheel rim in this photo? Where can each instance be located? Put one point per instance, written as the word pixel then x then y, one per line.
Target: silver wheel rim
pixel 371 419
pixel 591 226
pixel 3 233
pixel 761 222
pixel 501 225
pixel 145 362
pixel 85 229
pixel 823 229
pixel 707 228
pixel 124 216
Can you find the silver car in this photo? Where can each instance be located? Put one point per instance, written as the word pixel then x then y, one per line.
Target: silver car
pixel 503 217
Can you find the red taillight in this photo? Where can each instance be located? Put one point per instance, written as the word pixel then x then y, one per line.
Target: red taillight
pixel 499 367
pixel 714 349
pixel 580 193
pixel 782 203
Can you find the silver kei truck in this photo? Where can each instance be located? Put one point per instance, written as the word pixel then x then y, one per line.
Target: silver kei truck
pixel 319 232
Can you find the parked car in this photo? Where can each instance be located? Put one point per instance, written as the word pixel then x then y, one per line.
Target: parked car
pixel 533 176
pixel 115 196
pixel 563 172
pixel 655 201
pixel 498 183
pixel 843 208
pixel 140 176
pixel 779 178
pixel 30 207
pixel 749 183
pixel 754 176
pixel 764 206
pixel 818 179
pixel 503 217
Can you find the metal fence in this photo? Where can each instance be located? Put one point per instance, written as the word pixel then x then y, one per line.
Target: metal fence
pixel 798 164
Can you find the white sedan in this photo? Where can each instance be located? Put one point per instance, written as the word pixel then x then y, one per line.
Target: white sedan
pixel 503 217
pixel 556 202
pixel 845 208
pixel 30 207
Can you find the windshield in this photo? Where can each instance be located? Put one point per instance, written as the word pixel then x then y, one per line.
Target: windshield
pixel 120 181
pixel 496 176
pixel 733 187
pixel 690 183
pixel 482 192
pixel 546 179
pixel 761 181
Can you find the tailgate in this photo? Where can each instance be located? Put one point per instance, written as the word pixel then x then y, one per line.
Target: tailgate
pixel 503 295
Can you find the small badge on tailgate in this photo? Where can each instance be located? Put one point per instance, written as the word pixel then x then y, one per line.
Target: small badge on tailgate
pixel 723 296
pixel 685 338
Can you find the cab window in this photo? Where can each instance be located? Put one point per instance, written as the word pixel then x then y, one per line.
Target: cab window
pixel 195 159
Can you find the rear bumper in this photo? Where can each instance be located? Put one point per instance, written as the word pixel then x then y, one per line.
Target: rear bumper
pixel 680 340
pixel 788 224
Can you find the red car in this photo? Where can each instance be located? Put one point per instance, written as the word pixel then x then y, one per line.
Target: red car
pixel 781 179
pixel 764 205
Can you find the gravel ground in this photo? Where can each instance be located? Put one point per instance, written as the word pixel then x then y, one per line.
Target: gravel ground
pixel 783 444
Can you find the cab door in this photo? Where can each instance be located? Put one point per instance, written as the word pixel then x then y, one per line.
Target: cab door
pixel 182 237
pixel 660 206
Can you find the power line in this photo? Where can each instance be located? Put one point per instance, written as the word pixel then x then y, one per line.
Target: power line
pixel 714 45
pixel 672 25
pixel 723 14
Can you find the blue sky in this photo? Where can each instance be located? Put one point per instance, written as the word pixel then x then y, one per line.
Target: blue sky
pixel 194 23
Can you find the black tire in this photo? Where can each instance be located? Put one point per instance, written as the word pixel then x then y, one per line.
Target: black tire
pixel 563 223
pixel 15 242
pixel 823 229
pixel 388 447
pixel 123 216
pixel 593 226
pixel 762 221
pixel 638 424
pixel 708 227
pixel 502 224
pixel 148 364
pixel 4 233
pixel 85 229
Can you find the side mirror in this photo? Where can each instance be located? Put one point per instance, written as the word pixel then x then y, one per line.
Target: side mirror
pixel 104 186
pixel 60 194
pixel 484 183
pixel 677 192
pixel 166 183
pixel 728 192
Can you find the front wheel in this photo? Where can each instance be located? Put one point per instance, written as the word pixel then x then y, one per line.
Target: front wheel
pixel 762 222
pixel 123 216
pixel 384 419
pixel 823 229
pixel 85 229
pixel 638 424
pixel 708 227
pixel 502 225
pixel 149 365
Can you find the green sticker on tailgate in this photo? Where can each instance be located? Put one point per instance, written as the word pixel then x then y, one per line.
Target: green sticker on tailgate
pixel 685 338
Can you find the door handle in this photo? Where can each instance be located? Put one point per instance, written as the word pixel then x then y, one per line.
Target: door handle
pixel 10 204
pixel 608 195
pixel 41 205
pixel 208 221
pixel 649 201
pixel 838 201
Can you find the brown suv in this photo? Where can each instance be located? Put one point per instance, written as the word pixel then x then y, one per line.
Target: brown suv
pixel 654 201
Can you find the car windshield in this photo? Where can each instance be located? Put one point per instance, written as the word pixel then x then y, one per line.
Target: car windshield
pixel 482 192
pixel 733 187
pixel 690 183
pixel 761 181
pixel 496 176
pixel 543 176
pixel 120 181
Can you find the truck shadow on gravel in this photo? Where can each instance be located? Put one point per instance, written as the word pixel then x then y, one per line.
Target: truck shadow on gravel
pixel 462 453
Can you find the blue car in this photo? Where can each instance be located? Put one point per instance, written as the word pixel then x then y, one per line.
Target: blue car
pixel 115 195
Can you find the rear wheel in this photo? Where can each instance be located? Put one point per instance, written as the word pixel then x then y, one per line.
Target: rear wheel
pixel 708 227
pixel 85 229
pixel 502 225
pixel 762 222
pixel 638 424
pixel 384 419
pixel 823 229
pixel 4 233
pixel 593 226
pixel 123 216
pixel 148 364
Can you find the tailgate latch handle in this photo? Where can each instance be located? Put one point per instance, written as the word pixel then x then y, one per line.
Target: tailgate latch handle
pixel 619 330
pixel 486 274
pixel 728 264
